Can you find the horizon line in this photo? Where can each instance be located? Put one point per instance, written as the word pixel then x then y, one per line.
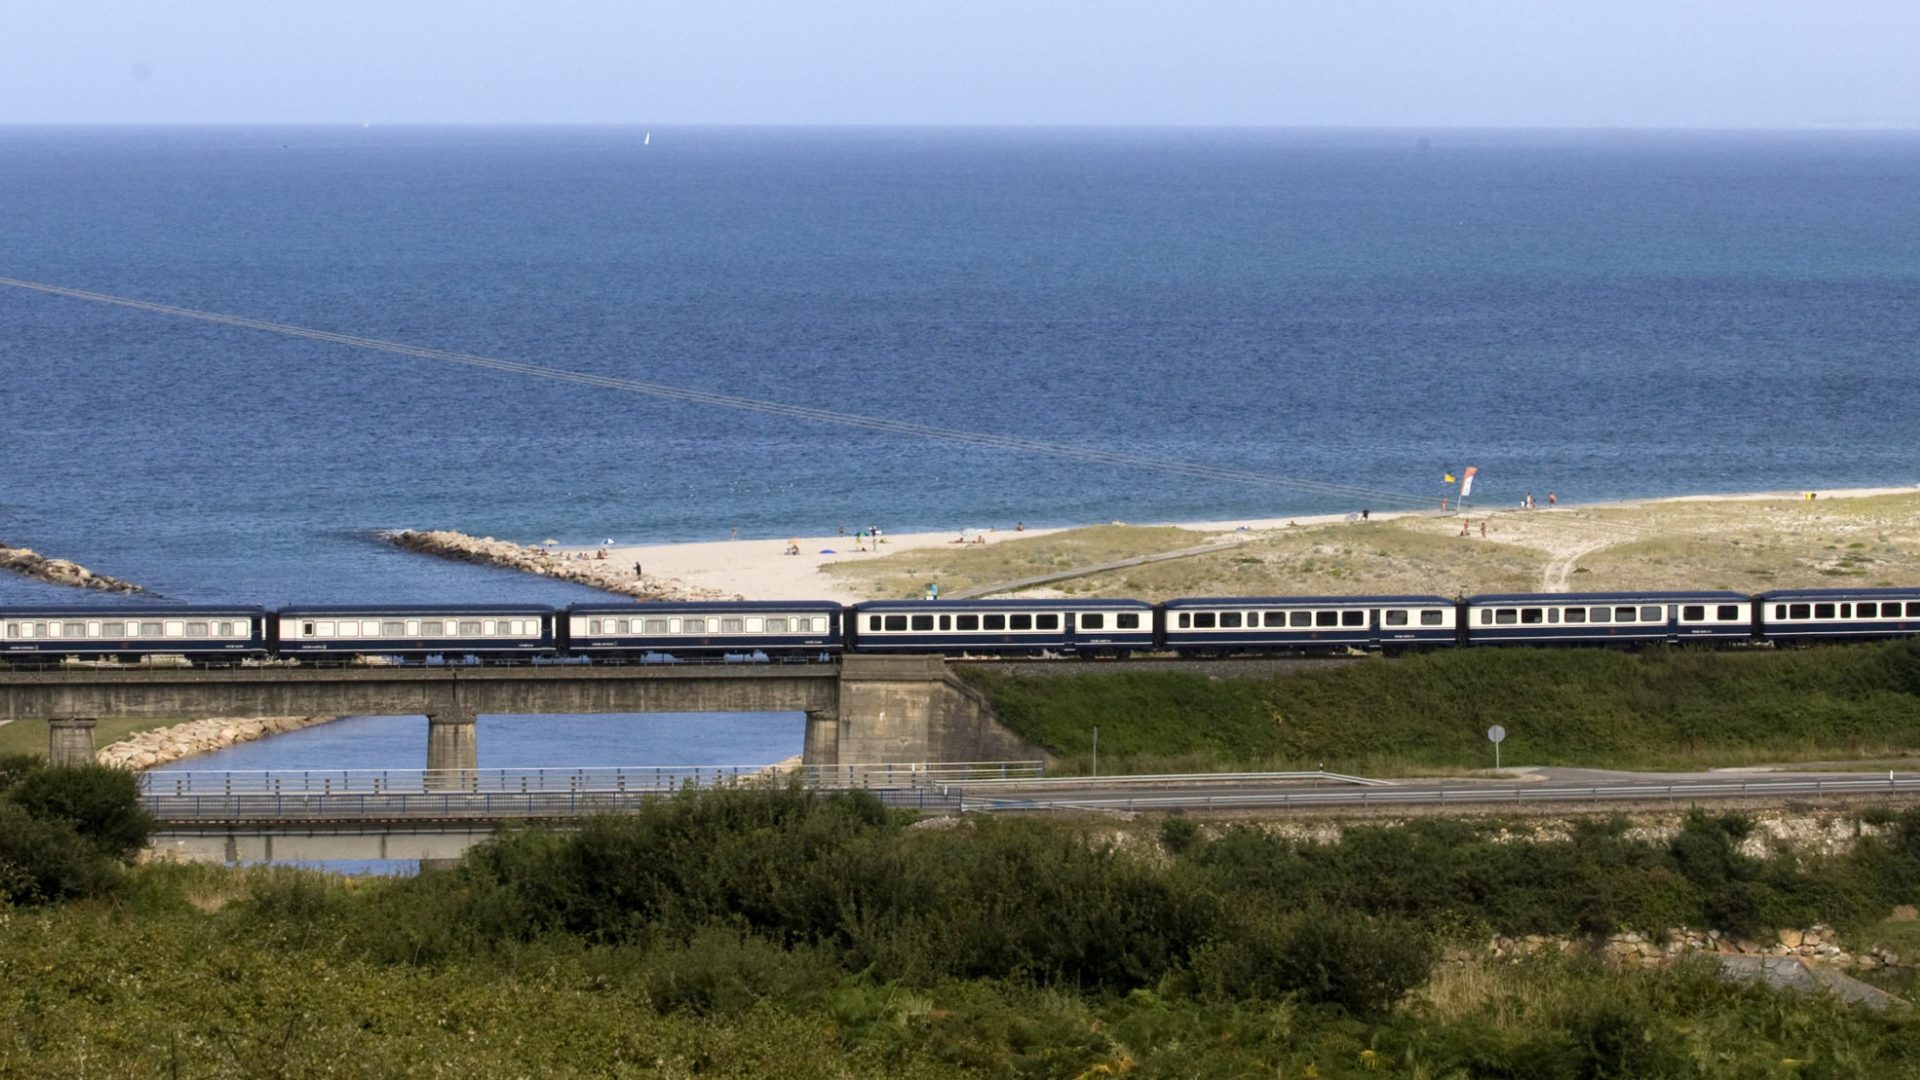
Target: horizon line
pixel 1892 126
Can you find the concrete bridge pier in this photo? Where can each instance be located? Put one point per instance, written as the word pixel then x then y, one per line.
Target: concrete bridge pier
pixel 822 743
pixel 70 741
pixel 453 751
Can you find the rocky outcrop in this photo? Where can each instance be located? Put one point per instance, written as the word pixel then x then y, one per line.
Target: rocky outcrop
pixel 1631 949
pixel 60 571
pixel 604 574
pixel 169 744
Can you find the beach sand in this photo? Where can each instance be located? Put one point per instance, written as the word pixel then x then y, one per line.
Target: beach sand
pixel 759 569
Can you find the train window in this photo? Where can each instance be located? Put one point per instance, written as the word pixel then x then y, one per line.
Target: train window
pixel 1652 614
pixel 79 629
pixel 471 628
pixel 1299 618
pixel 657 626
pixel 1800 611
pixel 1486 616
pixel 175 628
pixel 896 622
pixel 693 626
pixel 1353 618
pixel 1186 620
pixel 923 622
pixel 1846 611
pixel 873 622
pixel 1326 618
pixel 776 626
pixel 993 622
pixel 50 630
pixel 1046 622
pixel 1204 620
pixel 1274 618
pixel 1693 613
pixel 1823 611
pixel 1431 617
pixel 1531 615
pixel 1506 616
pixel 306 629
pixel 1600 614
pixel 1131 620
pixel 1864 611
pixel 622 626
pixel 112 629
pixel 967 622
pixel 432 628
pixel 1553 615
pixel 1395 618
pixel 1092 620
pixel 196 629
pixel 1913 609
pixel 1728 612
pixel 1020 622
pixel 13 630
pixel 1625 614
pixel 733 626
pixel 1576 614
pixel 1230 619
pixel 946 622
pixel 593 626
pixel 393 629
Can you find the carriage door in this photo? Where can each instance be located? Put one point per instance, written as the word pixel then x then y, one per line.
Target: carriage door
pixel 1068 630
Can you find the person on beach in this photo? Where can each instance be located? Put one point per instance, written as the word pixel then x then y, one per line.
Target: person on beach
pixel 1365 513
pixel 1466 526
pixel 1552 500
pixel 638 573
pixel 736 533
pixel 1483 529
pixel 843 531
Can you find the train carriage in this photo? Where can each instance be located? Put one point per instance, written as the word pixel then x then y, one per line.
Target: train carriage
pixel 415 633
pixel 1789 615
pixel 1003 627
pixel 1308 624
pixel 778 629
pixel 1610 618
pixel 201 633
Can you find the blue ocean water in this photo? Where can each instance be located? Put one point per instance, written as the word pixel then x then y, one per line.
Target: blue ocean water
pixel 1599 314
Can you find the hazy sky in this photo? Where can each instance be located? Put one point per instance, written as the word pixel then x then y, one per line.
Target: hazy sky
pixel 1652 63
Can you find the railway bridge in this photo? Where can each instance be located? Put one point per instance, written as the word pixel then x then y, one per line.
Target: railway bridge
pixel 857 709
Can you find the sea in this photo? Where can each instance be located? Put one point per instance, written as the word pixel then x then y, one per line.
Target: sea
pixel 1335 318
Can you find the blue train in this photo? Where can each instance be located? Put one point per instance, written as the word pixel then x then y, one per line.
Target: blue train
pixel 811 629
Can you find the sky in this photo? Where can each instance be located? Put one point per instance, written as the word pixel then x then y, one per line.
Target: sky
pixel 1331 63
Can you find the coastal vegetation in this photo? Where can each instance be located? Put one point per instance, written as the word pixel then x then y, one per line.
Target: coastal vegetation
pixel 1748 545
pixel 1670 708
pixel 758 931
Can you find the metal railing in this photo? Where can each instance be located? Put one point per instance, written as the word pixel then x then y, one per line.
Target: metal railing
pixel 645 779
pixel 450 806
pixel 1052 783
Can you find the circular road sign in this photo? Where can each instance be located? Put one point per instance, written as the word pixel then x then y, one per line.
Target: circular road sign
pixel 1496 733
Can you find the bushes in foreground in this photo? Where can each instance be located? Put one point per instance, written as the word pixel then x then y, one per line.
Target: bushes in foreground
pixel 66 831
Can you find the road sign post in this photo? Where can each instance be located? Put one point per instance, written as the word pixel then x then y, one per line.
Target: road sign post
pixel 1496 735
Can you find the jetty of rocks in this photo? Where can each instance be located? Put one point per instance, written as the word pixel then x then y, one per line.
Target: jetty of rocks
pixel 604 574
pixel 162 745
pixel 60 571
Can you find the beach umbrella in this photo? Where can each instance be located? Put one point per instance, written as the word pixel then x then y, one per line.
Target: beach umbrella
pixel 549 541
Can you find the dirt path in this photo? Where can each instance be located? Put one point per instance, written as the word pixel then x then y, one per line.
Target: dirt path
pixel 1558 574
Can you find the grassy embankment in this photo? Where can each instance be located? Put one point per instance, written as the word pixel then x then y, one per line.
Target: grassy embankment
pixel 1659 709
pixel 776 932
pixel 30 736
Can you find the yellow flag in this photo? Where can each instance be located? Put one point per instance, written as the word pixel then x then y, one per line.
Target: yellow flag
pixel 1449 478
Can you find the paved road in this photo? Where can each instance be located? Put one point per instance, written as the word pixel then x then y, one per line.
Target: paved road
pixel 1524 788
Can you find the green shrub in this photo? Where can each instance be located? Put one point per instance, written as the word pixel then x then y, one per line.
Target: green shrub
pixel 1178 834
pixel 15 767
pixel 43 861
pixel 102 804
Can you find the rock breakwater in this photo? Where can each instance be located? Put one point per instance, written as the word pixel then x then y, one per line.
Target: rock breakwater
pixel 604 574
pixel 168 744
pixel 60 571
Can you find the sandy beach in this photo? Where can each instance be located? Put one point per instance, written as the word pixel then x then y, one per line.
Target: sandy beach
pixel 759 568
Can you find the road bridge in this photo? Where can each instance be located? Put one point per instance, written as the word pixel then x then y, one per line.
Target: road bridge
pixel 860 708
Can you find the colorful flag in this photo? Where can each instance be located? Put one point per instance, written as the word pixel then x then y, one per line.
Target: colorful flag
pixel 1466 486
pixel 1449 478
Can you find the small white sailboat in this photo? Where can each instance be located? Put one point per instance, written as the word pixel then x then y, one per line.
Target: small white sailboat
pixel 648 140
